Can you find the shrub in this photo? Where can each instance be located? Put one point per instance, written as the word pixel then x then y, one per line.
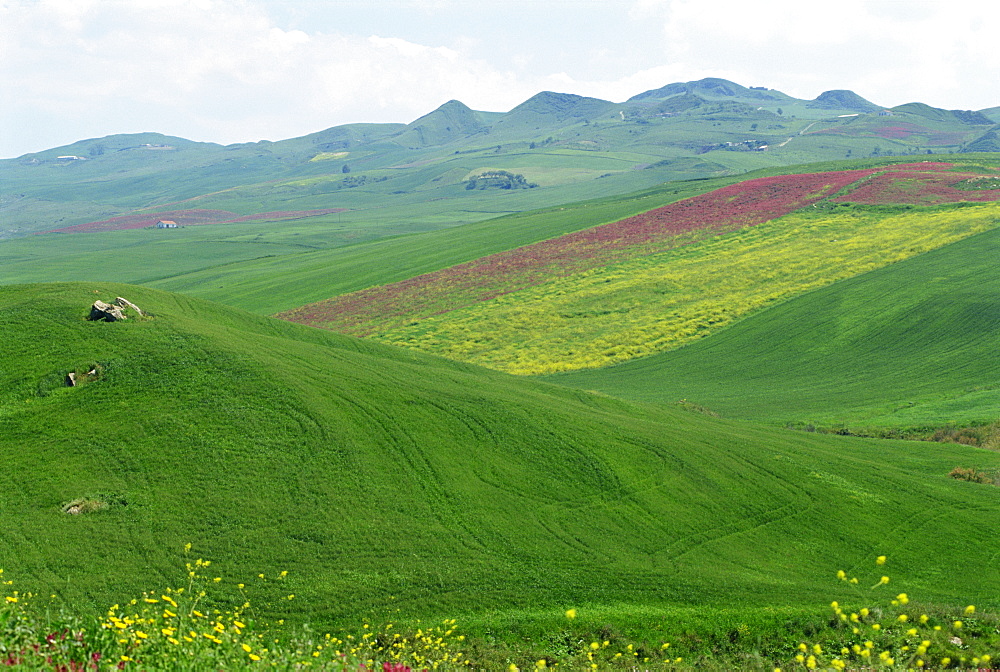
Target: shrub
pixel 972 475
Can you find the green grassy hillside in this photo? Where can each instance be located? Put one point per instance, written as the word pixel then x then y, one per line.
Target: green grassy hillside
pixel 268 267
pixel 383 479
pixel 912 344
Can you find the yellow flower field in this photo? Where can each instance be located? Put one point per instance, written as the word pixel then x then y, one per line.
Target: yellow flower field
pixel 643 306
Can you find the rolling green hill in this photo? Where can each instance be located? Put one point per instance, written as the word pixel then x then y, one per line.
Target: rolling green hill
pixel 395 485
pixel 383 479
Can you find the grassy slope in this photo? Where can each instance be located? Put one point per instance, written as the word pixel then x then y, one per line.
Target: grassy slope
pixel 625 310
pixel 382 478
pixel 911 344
pixel 275 284
pixel 269 285
pixel 65 257
pixel 267 267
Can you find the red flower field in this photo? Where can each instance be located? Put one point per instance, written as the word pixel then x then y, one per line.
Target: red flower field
pixel 727 209
pixel 919 184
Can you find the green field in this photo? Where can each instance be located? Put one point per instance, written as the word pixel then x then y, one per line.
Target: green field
pixel 391 484
pixel 630 309
pixel 680 273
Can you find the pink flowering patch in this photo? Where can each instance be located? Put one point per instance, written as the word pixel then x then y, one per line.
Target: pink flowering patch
pixel 918 184
pixel 724 210
pixel 900 132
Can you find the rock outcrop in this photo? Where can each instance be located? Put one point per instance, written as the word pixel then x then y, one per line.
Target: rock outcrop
pixel 107 312
pixel 125 303
pixel 112 312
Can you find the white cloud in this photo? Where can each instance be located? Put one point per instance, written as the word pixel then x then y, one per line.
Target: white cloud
pixel 230 71
pixel 940 52
pixel 218 70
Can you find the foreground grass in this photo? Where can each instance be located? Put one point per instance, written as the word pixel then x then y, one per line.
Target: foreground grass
pixel 205 624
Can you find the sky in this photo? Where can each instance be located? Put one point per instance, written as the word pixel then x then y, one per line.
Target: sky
pixel 231 71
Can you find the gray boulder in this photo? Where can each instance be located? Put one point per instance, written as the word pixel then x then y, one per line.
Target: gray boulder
pixel 105 311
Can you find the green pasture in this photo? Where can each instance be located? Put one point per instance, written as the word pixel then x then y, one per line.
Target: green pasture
pixel 396 485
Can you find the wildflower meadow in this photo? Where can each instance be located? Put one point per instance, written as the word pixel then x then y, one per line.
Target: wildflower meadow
pixel 206 623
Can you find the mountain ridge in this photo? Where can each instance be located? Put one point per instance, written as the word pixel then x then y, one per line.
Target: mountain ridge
pixel 565 104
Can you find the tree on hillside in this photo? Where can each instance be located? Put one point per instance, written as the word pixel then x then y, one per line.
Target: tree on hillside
pixel 499 179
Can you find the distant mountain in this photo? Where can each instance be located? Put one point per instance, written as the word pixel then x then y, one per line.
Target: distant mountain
pixel 841 99
pixel 571 146
pixel 344 137
pixel 549 110
pixel 139 144
pixel 449 122
pixel 988 142
pixel 709 88
pixel 937 114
